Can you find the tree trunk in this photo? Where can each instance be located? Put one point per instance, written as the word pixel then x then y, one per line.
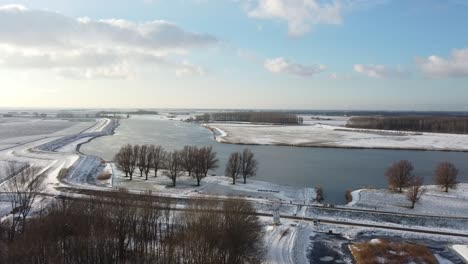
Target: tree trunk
pixel 245 180
pixel 446 189
pixel 234 180
pixel 198 181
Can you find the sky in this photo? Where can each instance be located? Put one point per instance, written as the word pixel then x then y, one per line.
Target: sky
pixel 249 54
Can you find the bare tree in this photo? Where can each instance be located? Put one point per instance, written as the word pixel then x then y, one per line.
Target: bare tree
pixel 120 161
pixel 142 158
pixel 148 160
pixel 205 161
pixel 234 166
pixel 243 233
pixel 249 164
pixel 136 157
pixel 22 191
pixel 400 174
pixel 126 160
pixel 415 190
pixel 320 195
pixel 188 158
pixel 158 155
pixel 173 166
pixel 446 176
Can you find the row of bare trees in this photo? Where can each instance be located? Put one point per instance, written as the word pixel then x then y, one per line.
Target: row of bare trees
pixel 400 175
pixel 122 228
pixel 191 160
pixel 241 164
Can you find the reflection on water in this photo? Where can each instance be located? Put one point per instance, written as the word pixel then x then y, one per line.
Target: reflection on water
pixel 336 170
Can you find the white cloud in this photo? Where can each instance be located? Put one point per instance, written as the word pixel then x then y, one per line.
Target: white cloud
pixel 438 67
pixel 282 65
pixel 188 69
pixel 299 14
pixel 302 15
pixel 92 48
pixel 381 71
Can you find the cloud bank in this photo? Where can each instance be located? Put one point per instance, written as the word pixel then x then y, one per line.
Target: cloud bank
pixel 302 15
pixel 282 65
pixel 438 67
pixel 381 71
pixel 42 39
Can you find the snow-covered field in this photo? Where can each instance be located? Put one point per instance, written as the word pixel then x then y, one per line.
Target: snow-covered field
pixel 434 202
pixel 323 135
pixel 17 127
pixel 462 250
pixel 219 186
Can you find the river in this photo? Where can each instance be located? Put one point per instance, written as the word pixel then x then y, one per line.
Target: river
pixel 334 169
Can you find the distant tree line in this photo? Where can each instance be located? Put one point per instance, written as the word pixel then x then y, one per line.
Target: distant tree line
pixel 127 113
pixel 124 228
pixel 253 117
pixel 435 124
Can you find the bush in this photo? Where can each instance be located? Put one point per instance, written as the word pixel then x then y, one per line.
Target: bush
pixel 104 176
pixel 348 196
pixel 384 251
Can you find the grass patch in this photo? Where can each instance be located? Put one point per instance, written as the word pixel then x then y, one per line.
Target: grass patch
pixel 104 176
pixel 385 251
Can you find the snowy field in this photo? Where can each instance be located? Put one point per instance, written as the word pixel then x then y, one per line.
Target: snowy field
pixel 215 186
pixel 462 250
pixel 29 127
pixel 434 202
pixel 16 132
pixel 322 135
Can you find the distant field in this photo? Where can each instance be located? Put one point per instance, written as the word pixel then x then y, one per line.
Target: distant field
pixel 30 127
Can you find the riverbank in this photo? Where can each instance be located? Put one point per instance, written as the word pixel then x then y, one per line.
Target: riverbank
pixel 327 136
pixel 434 202
pixel 214 186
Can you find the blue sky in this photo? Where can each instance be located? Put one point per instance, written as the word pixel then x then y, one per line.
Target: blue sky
pixel 291 54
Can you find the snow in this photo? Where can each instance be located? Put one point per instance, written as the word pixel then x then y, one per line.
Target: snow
pixel 434 202
pixel 288 242
pixel 462 250
pixel 442 260
pixel 215 186
pixel 28 127
pixel 321 135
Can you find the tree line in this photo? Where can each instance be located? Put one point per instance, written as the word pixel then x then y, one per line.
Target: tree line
pixel 253 117
pixel 191 161
pixel 434 124
pixel 123 228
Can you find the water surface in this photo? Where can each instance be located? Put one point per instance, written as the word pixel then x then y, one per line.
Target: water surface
pixel 335 169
